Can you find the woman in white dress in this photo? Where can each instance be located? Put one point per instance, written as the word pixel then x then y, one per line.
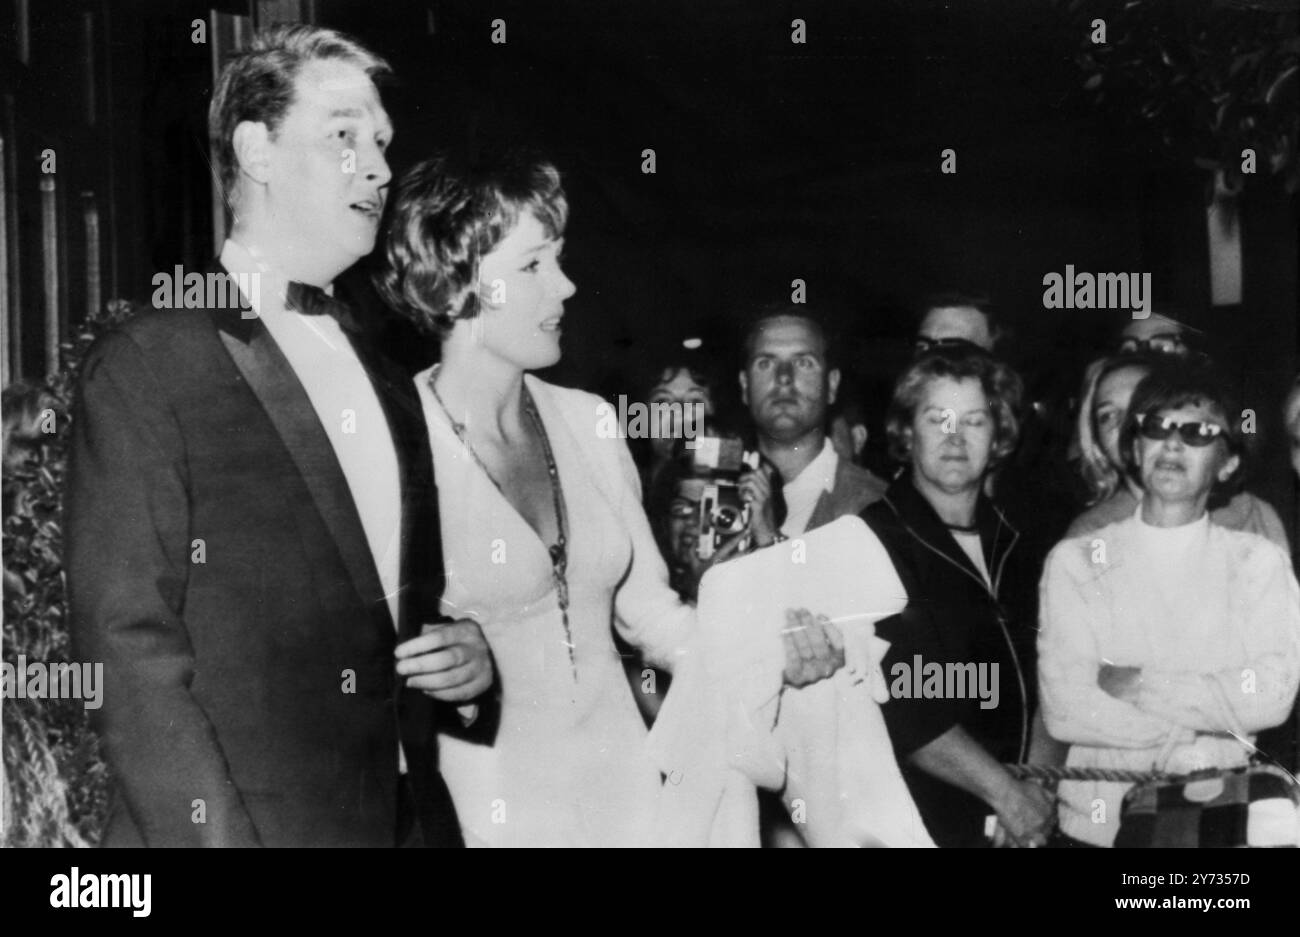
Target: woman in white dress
pixel 544 538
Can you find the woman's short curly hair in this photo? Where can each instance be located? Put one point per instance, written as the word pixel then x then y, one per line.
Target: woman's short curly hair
pixel 1002 387
pixel 448 213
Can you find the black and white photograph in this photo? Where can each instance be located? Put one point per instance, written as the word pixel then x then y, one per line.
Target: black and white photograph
pixel 719 424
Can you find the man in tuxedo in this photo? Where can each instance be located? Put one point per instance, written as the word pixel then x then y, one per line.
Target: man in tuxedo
pixel 252 530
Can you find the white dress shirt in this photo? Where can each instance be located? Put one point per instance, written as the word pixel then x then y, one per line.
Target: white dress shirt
pixel 341 393
pixel 804 491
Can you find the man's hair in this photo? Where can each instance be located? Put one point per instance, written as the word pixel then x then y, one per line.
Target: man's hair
pixel 848 408
pixel 257 83
pixel 979 301
pixel 449 212
pixel 1001 385
pixel 1181 382
pixel 813 316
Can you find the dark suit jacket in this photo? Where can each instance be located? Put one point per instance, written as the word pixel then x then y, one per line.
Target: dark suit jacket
pixel 218 568
pixel 854 490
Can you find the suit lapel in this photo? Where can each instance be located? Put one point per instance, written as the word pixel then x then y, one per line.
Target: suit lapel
pixel 823 511
pixel 832 504
pixel 273 382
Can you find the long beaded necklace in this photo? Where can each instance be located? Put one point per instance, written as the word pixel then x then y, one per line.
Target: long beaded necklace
pixel 558 551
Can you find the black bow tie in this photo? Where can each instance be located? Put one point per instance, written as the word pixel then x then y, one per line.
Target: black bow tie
pixel 314 301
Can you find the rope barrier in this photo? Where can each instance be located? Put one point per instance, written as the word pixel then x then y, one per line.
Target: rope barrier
pixel 1125 776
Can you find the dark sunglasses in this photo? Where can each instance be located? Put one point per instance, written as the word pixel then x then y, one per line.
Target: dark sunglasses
pixel 1195 433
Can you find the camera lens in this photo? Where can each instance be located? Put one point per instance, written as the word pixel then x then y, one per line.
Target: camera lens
pixel 726 520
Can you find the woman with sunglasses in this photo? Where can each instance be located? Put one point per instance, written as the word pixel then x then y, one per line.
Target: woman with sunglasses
pixel 1114 493
pixel 1166 642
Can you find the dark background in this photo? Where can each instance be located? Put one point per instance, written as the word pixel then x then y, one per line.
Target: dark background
pixel 775 161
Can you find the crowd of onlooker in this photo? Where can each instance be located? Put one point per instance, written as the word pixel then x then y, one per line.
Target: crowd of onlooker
pixel 1161 631
pixel 1146 620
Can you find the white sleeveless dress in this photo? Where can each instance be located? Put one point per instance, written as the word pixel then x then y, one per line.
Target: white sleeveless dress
pixel 569 765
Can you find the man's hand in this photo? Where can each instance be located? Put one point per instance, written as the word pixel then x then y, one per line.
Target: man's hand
pixel 1122 683
pixel 1026 815
pixel 449 661
pixel 814 648
pixel 755 489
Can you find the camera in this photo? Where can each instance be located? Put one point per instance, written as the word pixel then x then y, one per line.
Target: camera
pixel 723 513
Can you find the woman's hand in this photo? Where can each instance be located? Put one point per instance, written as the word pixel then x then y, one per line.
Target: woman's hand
pixel 449 661
pixel 814 648
pixel 1123 683
pixel 1026 815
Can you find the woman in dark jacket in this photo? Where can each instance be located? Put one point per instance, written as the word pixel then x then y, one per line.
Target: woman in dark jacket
pixel 961 660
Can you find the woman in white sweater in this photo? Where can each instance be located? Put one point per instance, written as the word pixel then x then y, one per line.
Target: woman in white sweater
pixel 1167 642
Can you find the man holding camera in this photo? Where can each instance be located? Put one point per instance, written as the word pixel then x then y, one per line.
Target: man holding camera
pixel 788 382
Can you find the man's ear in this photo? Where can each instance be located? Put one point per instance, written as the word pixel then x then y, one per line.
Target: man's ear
pixel 744 388
pixel 858 433
pixel 251 142
pixel 832 386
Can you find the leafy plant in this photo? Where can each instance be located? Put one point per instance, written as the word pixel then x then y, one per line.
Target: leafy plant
pixel 55 781
pixel 1205 79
